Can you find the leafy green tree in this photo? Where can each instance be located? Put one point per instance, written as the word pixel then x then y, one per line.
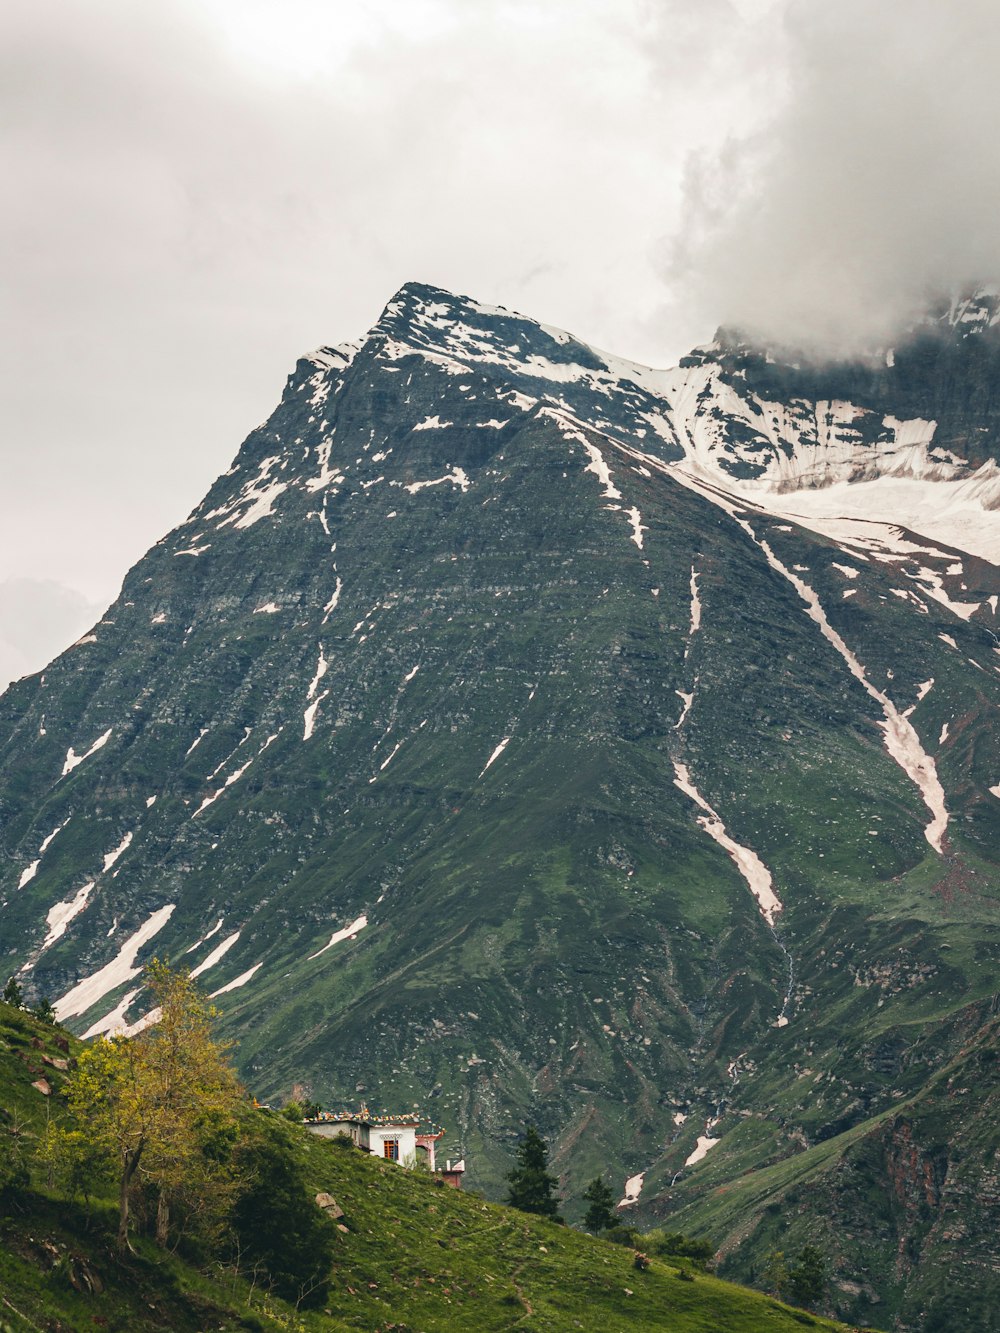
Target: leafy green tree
pixel 532 1187
pixel 775 1274
pixel 600 1215
pixel 154 1103
pixel 72 1160
pixel 12 993
pixel 45 1011
pixel 806 1281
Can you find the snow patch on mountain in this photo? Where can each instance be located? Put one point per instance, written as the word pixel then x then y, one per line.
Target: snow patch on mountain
pixel 60 915
pixel 239 981
pixel 73 760
pixel 901 740
pixel 348 932
pixel 217 953
pixel 197 741
pixel 112 856
pixel 703 1145
pixel 633 1188
pixel 29 873
pixel 432 423
pixel 205 938
pixel 687 699
pixel 456 476
pixel 386 762
pixel 120 969
pixel 695 623
pixel 747 862
pixel 496 754
pixel 638 527
pixel 309 716
pixel 233 777
pixel 113 1023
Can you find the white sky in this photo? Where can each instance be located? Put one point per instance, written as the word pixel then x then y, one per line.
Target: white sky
pixel 198 191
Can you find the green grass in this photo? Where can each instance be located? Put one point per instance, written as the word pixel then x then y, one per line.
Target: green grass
pixel 414 1254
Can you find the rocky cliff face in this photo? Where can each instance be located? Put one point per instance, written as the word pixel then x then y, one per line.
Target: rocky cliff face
pixel 520 733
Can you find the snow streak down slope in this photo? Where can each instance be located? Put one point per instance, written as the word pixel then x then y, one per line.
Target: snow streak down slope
pixel 391 730
pixel 901 739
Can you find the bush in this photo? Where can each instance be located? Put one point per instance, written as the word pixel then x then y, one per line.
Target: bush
pixel 277 1226
pixel 674 1244
pixel 623 1235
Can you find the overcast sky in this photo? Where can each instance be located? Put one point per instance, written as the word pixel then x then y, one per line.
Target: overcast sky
pixel 197 191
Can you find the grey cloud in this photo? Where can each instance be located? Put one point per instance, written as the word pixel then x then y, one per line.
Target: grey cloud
pixel 182 224
pixel 184 217
pixel 876 185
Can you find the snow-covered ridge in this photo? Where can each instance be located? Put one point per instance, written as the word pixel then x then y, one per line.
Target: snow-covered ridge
pixel 875 466
pixel 812 460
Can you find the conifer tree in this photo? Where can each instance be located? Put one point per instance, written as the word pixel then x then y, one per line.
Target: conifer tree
pixel 12 993
pixel 806 1282
pixel 600 1215
pixel 531 1184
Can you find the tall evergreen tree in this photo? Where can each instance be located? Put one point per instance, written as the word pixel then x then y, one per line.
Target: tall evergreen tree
pixel 600 1215
pixel 532 1187
pixel 807 1280
pixel 12 993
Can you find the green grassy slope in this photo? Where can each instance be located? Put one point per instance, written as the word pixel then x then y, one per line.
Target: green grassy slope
pixel 414 1256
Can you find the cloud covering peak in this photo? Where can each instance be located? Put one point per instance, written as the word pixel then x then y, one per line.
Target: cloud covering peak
pixel 874 187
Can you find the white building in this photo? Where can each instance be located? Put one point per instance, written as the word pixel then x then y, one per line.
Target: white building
pixel 396 1138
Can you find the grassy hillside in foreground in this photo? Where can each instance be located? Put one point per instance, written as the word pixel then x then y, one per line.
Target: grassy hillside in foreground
pixel 415 1255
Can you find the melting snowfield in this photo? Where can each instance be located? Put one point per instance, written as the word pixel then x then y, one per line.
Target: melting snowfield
pixel 58 917
pixel 313 699
pixel 112 856
pixel 901 740
pixel 705 1142
pixel 113 1022
pixel 348 932
pixel 73 760
pixel 31 870
pixel 695 605
pixel 900 737
pixel 217 953
pixel 239 981
pixel 955 513
pixel 121 969
pixel 496 754
pixel 633 1188
pixel 748 863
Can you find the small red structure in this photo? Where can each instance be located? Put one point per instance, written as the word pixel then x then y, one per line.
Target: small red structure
pixel 452 1173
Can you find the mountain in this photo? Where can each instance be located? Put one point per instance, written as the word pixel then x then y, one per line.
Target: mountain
pixel 523 734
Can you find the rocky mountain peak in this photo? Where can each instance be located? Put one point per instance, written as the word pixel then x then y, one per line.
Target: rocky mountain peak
pixel 524 734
